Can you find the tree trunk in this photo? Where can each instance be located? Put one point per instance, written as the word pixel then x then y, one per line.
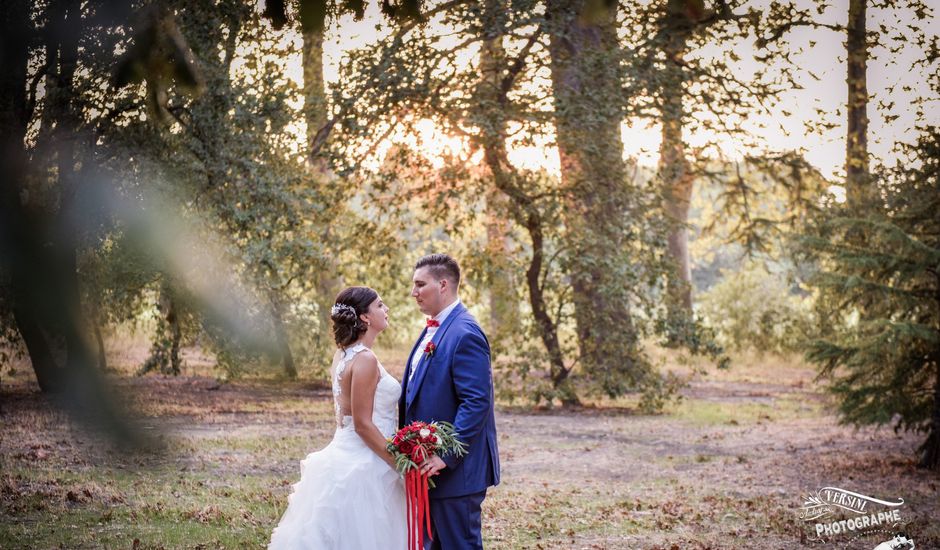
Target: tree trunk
pixel 930 450
pixel 14 56
pixel 504 310
pixel 675 171
pixel 46 119
pixel 95 312
pixel 857 182
pixel 41 358
pixel 316 115
pixel 678 182
pixel 102 352
pixel 507 197
pixel 586 87
pixel 547 328
pixel 283 343
pixel 165 349
pixel 176 335
pixel 528 216
pixel 66 24
pixel 503 306
pixel 24 250
pixel 315 103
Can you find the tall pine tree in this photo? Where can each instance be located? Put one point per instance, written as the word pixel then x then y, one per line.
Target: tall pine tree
pixel 880 286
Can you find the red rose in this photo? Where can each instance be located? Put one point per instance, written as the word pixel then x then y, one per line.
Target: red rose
pixel 418 454
pixel 406 446
pixel 429 349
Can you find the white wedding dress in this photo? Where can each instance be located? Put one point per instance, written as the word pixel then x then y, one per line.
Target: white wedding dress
pixel 347 497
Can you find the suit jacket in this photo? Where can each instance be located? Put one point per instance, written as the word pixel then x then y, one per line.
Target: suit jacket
pixel 455 385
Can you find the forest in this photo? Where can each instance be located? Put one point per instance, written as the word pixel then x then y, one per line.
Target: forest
pixel 702 237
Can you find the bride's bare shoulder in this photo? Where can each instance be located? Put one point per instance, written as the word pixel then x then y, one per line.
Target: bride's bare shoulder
pixel 365 357
pixel 364 362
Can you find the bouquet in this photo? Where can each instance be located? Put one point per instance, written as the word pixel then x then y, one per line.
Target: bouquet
pixel 411 446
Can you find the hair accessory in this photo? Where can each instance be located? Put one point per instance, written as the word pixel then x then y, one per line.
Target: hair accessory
pixel 342 307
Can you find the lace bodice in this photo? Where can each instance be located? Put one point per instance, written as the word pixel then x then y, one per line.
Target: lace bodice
pixel 387 392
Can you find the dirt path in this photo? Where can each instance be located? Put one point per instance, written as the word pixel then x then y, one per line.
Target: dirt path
pixel 714 486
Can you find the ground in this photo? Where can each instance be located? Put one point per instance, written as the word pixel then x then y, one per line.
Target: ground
pixel 726 467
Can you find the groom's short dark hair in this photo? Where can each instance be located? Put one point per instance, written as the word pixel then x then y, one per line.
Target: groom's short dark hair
pixel 441 266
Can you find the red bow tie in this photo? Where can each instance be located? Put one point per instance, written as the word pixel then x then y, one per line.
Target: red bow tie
pixel 433 323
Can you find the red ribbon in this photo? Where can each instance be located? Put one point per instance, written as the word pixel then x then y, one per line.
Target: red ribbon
pixel 419 514
pixel 433 323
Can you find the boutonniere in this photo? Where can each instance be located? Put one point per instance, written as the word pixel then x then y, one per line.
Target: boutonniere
pixel 429 350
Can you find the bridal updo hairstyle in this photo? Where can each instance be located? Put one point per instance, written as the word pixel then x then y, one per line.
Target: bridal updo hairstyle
pixel 347 326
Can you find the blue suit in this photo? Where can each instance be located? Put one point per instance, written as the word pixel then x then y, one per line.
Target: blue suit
pixel 455 385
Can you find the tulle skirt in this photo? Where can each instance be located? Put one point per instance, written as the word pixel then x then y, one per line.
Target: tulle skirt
pixel 347 499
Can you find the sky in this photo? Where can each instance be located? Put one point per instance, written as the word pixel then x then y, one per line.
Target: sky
pixel 776 130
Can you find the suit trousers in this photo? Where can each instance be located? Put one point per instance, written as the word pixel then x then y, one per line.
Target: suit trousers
pixel 456 523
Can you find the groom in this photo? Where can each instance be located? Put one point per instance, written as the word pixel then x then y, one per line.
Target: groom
pixel 448 378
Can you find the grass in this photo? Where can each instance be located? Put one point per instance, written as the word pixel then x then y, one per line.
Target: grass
pixel 700 412
pixel 208 499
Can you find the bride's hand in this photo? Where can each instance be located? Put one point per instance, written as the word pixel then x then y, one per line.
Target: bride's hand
pixel 432 466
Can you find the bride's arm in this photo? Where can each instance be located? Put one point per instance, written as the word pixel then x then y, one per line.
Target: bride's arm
pixel 365 376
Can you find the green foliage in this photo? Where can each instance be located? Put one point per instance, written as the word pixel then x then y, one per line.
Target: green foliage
pixel 676 70
pixel 660 392
pixel 753 308
pixel 11 346
pixel 588 243
pixel 694 335
pixel 229 167
pixel 880 300
pixel 580 256
pixel 521 369
pixel 758 204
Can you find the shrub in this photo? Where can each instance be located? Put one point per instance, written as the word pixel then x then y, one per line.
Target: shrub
pixel 753 309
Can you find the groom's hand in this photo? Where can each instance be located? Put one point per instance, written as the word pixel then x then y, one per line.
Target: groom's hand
pixel 432 466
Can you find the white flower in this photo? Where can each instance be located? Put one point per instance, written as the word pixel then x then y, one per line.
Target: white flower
pixel 424 432
pixel 437 439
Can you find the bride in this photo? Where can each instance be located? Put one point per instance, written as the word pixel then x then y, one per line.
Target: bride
pixel 350 496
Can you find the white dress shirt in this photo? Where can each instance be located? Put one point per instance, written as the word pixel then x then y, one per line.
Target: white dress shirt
pixel 419 353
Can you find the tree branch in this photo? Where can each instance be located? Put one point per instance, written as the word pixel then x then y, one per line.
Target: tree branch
pixel 517 66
